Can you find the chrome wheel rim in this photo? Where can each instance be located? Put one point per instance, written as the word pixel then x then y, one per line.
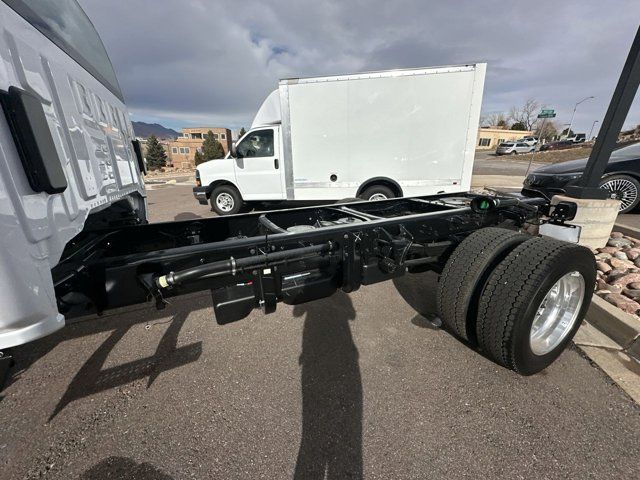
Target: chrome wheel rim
pixel 225 202
pixel 557 313
pixel 377 196
pixel 623 190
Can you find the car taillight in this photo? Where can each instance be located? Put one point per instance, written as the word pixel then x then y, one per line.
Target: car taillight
pixel 198 182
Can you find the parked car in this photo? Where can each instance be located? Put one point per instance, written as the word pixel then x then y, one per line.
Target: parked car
pixel 621 177
pixel 578 138
pixel 559 145
pixel 514 148
pixel 531 141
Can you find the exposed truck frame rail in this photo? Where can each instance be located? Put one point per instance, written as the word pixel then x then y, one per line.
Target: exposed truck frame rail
pixel 293 255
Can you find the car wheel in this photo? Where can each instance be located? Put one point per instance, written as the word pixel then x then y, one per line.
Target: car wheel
pixel 226 200
pixel 533 303
pixel 623 188
pixel 377 192
pixel 514 153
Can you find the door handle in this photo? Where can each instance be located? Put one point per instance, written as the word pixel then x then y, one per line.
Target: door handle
pixel 276 165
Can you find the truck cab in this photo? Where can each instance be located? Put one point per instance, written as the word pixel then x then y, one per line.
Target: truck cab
pixel 68 163
pixel 252 170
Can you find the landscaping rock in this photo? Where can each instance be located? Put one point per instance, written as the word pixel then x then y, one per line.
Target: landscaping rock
pixel 616 235
pixel 632 253
pixel 616 274
pixel 619 242
pixel 604 256
pixel 634 285
pixel 621 256
pixel 620 264
pixel 609 250
pixel 623 303
pixel 625 279
pixel 631 293
pixel 603 267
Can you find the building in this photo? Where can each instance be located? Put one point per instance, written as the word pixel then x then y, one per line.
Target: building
pixel 181 152
pixel 491 137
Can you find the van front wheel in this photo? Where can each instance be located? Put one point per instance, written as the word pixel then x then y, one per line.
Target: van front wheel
pixel 225 200
pixel 377 192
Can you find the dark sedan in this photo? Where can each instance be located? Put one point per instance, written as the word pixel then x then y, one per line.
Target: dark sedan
pixel 621 177
pixel 559 145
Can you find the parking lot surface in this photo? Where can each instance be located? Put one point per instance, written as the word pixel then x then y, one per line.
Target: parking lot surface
pixel 351 386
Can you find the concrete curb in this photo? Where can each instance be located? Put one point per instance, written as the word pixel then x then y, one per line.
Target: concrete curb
pixel 619 326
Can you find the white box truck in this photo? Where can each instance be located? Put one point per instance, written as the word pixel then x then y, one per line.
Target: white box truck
pixel 370 135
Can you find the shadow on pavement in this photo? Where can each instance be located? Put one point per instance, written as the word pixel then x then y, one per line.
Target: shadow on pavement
pixel 186 216
pixel 331 444
pixel 124 469
pixel 419 291
pixel 92 378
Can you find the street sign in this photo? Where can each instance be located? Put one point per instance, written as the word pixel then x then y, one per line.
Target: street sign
pixel 548 111
pixel 546 115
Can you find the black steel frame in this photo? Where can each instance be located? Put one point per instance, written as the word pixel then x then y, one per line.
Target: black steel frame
pixel 259 259
pixel 610 128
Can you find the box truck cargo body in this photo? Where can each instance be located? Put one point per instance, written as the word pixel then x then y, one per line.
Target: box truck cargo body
pixel 371 135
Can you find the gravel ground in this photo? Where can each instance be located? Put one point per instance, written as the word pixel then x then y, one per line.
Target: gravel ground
pixel 351 386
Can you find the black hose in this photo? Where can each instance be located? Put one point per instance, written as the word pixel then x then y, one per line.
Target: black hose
pixel 230 266
pixel 268 224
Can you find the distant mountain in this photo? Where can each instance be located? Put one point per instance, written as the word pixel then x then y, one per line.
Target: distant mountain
pixel 145 130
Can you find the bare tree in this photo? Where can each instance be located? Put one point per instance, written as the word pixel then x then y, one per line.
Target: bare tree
pixel 548 131
pixel 494 119
pixel 526 114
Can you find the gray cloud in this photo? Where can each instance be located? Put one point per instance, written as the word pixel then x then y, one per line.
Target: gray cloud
pixel 197 61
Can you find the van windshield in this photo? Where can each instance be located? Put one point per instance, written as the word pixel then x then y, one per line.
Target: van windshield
pixel 65 24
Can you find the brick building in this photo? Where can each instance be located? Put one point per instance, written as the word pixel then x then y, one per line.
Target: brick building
pixel 181 152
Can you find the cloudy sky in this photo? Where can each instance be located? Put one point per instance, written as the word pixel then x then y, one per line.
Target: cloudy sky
pixel 196 62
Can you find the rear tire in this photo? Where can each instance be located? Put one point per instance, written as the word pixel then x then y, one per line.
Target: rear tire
pixel 465 274
pixel 225 200
pixel 521 301
pixel 377 192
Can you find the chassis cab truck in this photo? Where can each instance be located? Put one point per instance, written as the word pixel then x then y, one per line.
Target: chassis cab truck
pixel 67 161
pixel 370 135
pixel 75 240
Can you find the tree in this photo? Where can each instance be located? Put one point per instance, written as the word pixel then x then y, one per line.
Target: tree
pixel 198 157
pixel 546 131
pixel 519 126
pixel 241 132
pixel 495 119
pixel 564 133
pixel 156 156
pixel 526 114
pixel 211 148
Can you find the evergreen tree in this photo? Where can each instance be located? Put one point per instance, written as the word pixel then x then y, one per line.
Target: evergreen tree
pixel 518 126
pixel 242 132
pixel 211 148
pixel 156 156
pixel 198 157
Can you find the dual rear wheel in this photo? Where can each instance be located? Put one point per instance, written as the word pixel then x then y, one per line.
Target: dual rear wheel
pixel 519 299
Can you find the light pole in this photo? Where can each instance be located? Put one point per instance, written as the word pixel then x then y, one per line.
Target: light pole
pixel 591 131
pixel 574 113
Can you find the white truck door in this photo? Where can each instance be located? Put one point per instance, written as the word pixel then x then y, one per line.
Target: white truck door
pixel 258 165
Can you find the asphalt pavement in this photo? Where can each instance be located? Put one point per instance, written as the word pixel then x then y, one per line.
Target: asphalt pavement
pixel 352 386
